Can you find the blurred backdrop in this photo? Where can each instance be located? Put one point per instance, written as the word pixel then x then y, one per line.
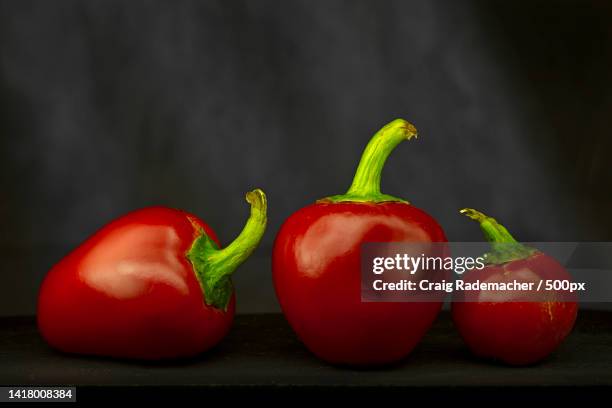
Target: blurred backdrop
pixel 107 106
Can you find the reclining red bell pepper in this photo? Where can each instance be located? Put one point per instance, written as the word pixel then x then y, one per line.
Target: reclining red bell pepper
pixel 513 327
pixel 316 266
pixel 152 284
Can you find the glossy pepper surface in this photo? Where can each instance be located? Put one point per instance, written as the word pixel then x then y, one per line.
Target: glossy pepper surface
pixel 151 284
pixel 316 266
pixel 508 326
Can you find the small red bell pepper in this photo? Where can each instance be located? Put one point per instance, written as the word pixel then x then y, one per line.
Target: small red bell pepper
pixel 152 284
pixel 316 266
pixel 501 325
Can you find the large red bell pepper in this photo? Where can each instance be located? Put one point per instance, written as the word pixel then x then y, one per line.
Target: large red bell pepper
pixel 316 265
pixel 514 327
pixel 152 284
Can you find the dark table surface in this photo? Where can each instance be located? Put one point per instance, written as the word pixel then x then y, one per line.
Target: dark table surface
pixel 262 350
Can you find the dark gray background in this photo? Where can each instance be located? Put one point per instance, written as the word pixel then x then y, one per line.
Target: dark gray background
pixel 110 106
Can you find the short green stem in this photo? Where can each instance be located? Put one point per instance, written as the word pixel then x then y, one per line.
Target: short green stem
pixel 504 248
pixel 214 266
pixel 366 183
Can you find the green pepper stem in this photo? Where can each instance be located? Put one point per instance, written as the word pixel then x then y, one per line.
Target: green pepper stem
pixel 504 247
pixel 214 266
pixel 493 231
pixel 226 260
pixel 366 183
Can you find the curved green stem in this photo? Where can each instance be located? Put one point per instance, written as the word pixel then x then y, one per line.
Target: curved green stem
pixel 504 248
pixel 366 183
pixel 214 266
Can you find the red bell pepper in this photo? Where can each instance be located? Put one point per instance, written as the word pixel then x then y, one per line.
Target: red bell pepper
pixel 316 266
pixel 501 325
pixel 152 284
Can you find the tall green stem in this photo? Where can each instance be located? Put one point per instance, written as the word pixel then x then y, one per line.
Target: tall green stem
pixel 214 266
pixel 366 183
pixel 504 248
